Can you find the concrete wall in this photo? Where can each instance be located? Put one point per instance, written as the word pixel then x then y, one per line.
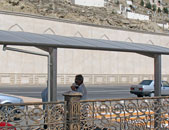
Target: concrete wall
pixel 98 67
pixel 165 26
pixel 131 15
pixel 97 3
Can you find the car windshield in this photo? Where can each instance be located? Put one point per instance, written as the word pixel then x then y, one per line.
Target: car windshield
pixel 146 82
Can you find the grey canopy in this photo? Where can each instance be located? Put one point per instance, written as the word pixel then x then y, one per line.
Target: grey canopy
pixel 56 41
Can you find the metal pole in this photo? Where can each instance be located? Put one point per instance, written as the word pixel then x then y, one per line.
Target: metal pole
pixel 33 53
pixel 163 21
pixel 23 51
pixel 157 77
pixel 157 89
pixel 53 73
pixel 48 82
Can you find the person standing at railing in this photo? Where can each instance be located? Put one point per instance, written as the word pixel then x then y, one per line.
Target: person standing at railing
pixel 44 96
pixel 79 86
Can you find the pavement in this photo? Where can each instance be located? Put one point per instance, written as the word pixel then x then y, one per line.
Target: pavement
pixel 28 99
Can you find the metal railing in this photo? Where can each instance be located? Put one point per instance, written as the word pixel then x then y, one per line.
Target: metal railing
pixel 32 116
pixel 126 114
pixel 73 114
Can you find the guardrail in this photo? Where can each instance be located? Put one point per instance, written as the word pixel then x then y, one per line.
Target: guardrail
pixel 74 114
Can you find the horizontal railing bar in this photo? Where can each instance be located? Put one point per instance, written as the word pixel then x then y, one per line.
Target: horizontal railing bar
pixel 125 99
pixel 33 103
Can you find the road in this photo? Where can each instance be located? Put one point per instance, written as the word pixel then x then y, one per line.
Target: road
pixel 94 92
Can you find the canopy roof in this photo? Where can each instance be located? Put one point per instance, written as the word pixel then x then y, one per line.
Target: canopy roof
pixel 56 41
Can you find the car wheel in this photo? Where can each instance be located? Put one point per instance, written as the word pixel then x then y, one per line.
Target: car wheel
pixel 139 95
pixel 151 95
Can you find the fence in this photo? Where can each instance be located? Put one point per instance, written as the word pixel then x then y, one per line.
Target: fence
pixel 24 79
pixel 33 116
pixel 73 114
pixel 126 114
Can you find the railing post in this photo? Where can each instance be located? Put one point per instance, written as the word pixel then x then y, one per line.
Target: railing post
pixel 73 110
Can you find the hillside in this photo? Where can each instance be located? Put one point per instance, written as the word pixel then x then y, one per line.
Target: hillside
pixel 106 16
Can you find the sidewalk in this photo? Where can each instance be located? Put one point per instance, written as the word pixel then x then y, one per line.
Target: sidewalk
pixel 28 99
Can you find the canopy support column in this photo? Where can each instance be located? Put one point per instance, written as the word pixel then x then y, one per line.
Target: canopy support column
pixel 53 74
pixel 157 75
pixel 157 90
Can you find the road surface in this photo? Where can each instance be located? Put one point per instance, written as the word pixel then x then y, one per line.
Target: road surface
pixel 94 92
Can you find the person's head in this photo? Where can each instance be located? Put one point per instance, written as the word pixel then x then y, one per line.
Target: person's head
pixel 79 79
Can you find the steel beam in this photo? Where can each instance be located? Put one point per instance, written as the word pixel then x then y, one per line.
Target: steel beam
pixel 151 55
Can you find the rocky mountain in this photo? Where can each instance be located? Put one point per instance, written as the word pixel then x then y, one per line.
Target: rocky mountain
pixel 107 16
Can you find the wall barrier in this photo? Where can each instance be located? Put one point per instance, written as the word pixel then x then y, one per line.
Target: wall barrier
pixel 132 15
pixel 93 79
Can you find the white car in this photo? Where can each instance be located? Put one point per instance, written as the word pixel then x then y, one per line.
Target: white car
pixel 7 99
pixel 146 88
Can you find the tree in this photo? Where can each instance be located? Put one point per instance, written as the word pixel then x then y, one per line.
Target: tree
pixel 154 7
pixel 159 10
pixel 148 5
pixel 142 3
pixel 165 10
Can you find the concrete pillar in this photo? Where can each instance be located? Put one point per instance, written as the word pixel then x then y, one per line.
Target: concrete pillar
pixel 73 110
